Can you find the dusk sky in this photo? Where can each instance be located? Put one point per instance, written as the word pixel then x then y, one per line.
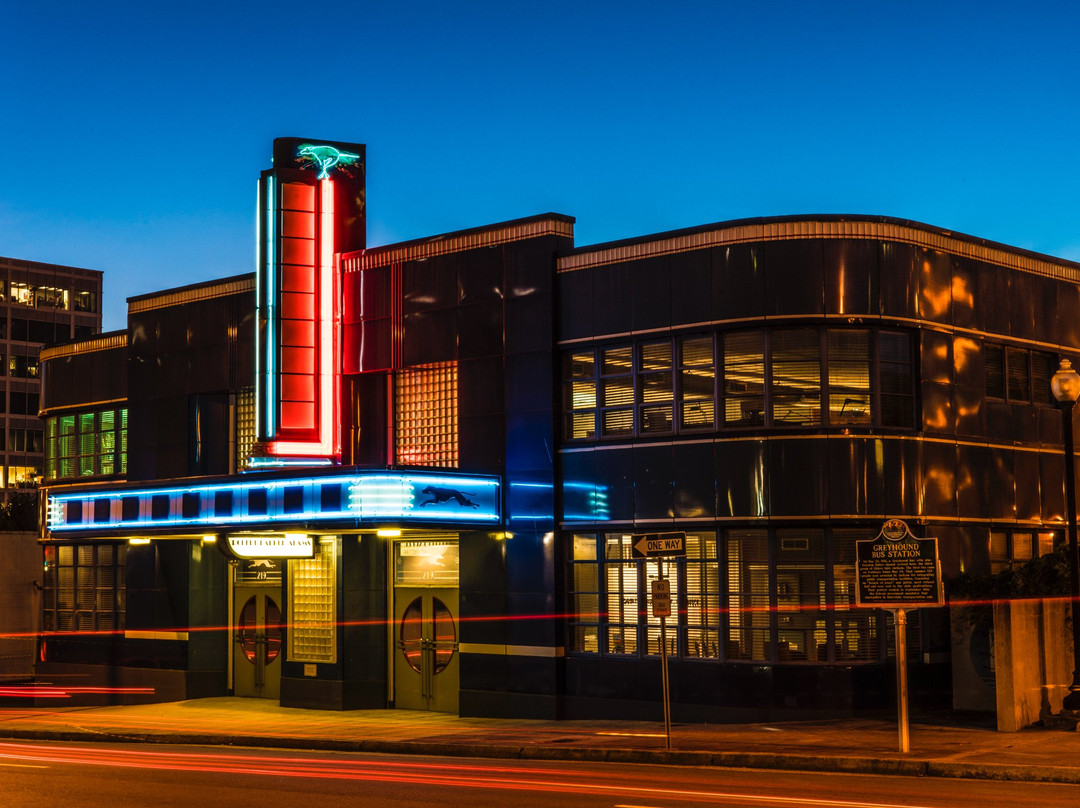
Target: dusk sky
pixel 134 132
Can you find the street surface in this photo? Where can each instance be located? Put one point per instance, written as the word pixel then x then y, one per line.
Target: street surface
pixel 83 775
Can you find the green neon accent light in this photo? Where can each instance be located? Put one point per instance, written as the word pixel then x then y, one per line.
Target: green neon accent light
pixel 326 157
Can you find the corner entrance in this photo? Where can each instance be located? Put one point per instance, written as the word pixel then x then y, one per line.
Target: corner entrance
pixel 257 631
pixel 425 632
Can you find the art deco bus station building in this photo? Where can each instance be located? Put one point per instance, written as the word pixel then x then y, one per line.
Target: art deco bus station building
pixel 408 476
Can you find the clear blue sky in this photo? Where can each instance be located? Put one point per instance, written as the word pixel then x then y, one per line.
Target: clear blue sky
pixel 134 132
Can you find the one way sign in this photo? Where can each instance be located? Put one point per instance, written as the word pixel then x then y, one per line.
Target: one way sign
pixel 651 545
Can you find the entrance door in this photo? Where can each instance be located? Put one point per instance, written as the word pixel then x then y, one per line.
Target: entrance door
pixel 257 649
pixel 425 657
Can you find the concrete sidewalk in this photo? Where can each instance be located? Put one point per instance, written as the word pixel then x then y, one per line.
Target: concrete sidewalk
pixel 867 746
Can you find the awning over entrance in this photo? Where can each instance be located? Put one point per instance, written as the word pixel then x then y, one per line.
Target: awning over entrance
pixel 360 496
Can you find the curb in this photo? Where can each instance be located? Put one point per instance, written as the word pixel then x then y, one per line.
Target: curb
pixel 673 757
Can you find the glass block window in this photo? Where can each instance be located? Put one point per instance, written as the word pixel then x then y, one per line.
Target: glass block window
pixel 86 444
pixel 245 426
pixel 426 428
pixel 84 588
pixel 313 605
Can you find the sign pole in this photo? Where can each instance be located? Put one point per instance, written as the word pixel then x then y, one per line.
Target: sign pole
pixel 900 625
pixel 664 670
pixel 661 546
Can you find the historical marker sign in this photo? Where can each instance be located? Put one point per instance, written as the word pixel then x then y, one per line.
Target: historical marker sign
pixel 897 570
pixel 652 545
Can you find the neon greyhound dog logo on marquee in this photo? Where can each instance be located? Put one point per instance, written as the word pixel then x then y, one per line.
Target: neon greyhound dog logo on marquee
pixel 441 495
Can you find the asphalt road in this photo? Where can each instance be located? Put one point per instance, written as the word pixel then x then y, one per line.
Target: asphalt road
pixel 77 775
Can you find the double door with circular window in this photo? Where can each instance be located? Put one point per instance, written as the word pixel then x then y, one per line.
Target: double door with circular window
pixel 426 649
pixel 257 635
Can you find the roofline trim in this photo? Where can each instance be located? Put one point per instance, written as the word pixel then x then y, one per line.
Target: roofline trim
pixel 815 227
pixel 492 236
pixel 191 294
pixel 105 342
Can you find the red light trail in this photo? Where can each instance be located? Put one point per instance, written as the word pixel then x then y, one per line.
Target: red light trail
pixel 722 611
pixel 611 782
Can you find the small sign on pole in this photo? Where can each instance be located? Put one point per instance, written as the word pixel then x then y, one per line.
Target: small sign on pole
pixel 661 598
pixel 899 572
pixel 661 546
pixel 653 545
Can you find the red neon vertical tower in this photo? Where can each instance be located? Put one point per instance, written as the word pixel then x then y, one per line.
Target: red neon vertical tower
pixel 311 208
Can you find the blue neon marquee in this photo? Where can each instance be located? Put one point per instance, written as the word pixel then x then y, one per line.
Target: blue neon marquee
pixel 364 496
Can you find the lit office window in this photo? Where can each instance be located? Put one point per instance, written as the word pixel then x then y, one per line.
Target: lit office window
pixel 21 293
pixel 616 391
pixel 856 631
pixel 848 353
pixel 22 476
pixel 749 629
pixel 427 415
pixel 768 377
pixel 621 595
pixel 702 596
pixel 86 444
pixel 50 297
pixel 697 383
pixel 796 377
pixel 585 597
pixel 579 392
pixel 760 595
pixel 744 378
pixel 656 405
pixel 84 587
pixel 801 633
pixel 23 367
pixel 313 605
pixel 85 301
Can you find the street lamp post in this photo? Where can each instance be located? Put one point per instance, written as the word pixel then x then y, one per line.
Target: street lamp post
pixel 1066 387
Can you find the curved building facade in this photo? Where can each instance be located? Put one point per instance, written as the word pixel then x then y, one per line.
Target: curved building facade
pixel 777 388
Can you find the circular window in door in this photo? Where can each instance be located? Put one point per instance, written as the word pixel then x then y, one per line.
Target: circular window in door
pixel 445 635
pixel 412 633
pixel 251 634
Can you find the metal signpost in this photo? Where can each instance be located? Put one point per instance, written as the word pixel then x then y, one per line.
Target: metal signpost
pixel 661 545
pixel 898 572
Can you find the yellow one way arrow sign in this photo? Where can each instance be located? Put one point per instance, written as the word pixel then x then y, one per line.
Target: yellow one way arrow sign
pixel 652 545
